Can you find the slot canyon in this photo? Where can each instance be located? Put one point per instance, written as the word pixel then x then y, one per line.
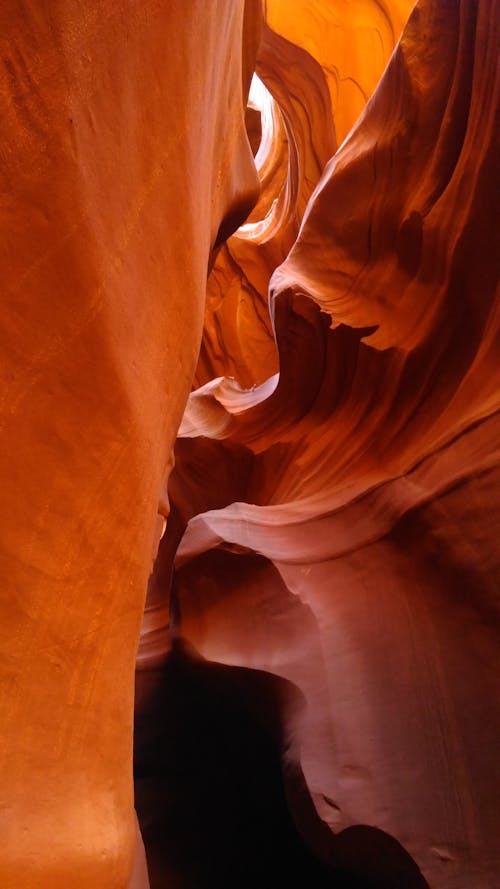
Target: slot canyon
pixel 249 444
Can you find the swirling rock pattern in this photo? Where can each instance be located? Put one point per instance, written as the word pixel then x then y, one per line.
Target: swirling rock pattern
pixel 316 683
pixel 340 494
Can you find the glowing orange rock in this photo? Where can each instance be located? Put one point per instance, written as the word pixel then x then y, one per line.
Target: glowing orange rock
pixel 367 471
pixel 352 41
pixel 124 156
pixel 335 497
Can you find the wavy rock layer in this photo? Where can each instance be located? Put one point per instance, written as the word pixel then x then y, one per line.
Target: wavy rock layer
pixel 340 493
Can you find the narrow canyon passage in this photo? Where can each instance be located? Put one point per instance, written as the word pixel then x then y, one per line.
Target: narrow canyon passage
pixel 249 444
pixel 334 517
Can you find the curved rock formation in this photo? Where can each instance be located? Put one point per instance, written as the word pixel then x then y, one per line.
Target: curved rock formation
pixel 360 458
pixel 316 685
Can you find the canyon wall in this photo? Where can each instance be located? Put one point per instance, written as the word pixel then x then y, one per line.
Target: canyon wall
pixel 335 495
pixel 124 157
pixel 312 338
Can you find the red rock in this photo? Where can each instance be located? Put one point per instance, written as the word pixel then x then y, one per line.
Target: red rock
pixel 316 682
pixel 123 155
pixel 366 473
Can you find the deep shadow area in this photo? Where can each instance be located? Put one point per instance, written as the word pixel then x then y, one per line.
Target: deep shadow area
pixel 209 746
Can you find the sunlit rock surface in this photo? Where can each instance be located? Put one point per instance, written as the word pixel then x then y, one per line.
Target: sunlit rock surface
pixel 123 154
pixel 316 676
pixel 335 496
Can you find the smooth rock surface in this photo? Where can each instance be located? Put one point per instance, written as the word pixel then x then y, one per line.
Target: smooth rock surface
pixel 124 156
pixel 356 457
pixel 315 335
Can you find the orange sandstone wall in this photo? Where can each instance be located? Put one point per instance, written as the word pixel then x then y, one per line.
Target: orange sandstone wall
pixel 338 464
pixel 334 519
pixel 123 154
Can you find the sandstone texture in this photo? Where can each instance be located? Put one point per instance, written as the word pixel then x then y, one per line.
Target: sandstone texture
pixel 123 154
pixel 336 482
pixel 249 444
